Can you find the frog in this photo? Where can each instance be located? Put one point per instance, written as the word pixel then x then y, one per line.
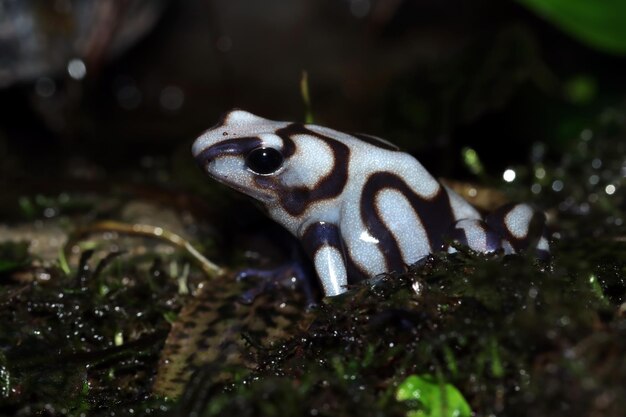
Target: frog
pixel 358 205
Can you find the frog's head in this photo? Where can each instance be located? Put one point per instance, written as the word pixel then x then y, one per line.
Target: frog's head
pixel 240 149
pixel 288 163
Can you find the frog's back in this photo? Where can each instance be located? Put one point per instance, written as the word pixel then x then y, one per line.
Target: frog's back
pixel 394 212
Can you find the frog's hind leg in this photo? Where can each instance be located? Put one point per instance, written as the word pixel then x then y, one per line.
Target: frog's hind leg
pixel 477 235
pixel 522 227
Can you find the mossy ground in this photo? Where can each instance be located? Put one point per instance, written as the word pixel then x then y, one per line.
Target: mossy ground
pixel 515 336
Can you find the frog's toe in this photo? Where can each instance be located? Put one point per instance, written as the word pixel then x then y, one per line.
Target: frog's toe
pixel 291 276
pixel 477 236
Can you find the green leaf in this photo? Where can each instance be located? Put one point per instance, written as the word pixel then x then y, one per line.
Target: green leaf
pixel 306 97
pixel 597 23
pixel 436 398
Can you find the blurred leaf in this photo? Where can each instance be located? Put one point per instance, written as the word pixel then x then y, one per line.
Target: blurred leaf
pixel 437 398
pixel 472 161
pixel 306 97
pixel 599 24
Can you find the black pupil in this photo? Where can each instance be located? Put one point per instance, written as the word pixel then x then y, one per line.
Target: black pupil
pixel 264 160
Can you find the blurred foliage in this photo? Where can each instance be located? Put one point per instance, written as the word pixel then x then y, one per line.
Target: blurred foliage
pixel 599 24
pixel 472 162
pixel 584 187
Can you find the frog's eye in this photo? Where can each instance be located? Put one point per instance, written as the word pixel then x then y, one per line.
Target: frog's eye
pixel 264 161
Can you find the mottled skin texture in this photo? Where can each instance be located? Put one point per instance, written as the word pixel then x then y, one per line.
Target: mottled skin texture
pixel 359 206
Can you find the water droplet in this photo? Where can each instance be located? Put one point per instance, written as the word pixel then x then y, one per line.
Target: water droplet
pixel 540 173
pixel 535 188
pixel 584 208
pixel 586 134
pixel 509 175
pixel 76 69
pixel 596 163
pixel 609 189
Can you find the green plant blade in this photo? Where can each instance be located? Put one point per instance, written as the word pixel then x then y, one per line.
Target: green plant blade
pixel 600 24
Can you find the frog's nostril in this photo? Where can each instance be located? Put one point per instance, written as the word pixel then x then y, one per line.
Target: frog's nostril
pixel 208 165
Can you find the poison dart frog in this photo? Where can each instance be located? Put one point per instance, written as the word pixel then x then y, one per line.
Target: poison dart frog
pixel 359 206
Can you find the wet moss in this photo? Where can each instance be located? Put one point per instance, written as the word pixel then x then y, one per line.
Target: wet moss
pixel 513 335
pixel 74 343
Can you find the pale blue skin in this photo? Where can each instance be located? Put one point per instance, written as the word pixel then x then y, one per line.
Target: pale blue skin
pixel 359 206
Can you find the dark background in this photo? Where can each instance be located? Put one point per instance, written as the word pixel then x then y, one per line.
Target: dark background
pixel 433 76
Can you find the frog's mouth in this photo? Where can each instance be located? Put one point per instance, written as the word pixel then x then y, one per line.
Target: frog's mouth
pixel 225 162
pixel 235 182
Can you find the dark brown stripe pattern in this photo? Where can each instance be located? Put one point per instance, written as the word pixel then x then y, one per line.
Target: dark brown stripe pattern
pixel 321 234
pixel 234 147
pixel 435 214
pixel 295 200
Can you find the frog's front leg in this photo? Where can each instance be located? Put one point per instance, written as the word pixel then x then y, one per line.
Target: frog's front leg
pixel 295 273
pixel 323 244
